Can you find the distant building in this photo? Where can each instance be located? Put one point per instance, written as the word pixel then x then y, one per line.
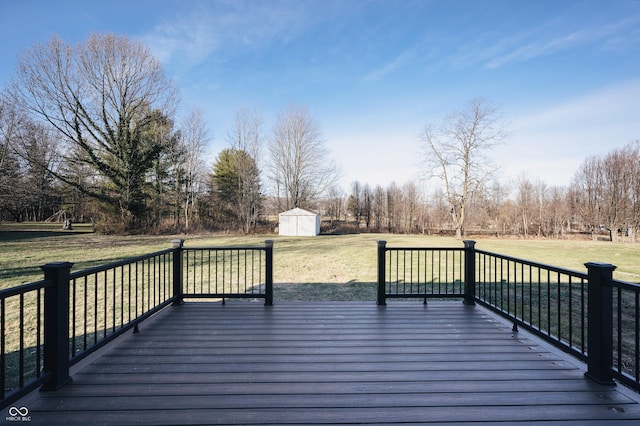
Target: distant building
pixel 299 222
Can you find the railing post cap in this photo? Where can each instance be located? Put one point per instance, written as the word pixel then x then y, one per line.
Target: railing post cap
pixel 177 243
pixel 469 243
pixel 57 265
pixel 268 243
pixel 382 243
pixel 600 265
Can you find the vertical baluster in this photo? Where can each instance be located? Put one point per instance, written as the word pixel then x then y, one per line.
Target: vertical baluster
pixel 105 304
pixel 86 312
pixel 95 308
pixel 530 295
pixel 637 335
pixel 114 306
pixel 209 271
pixel 73 318
pixel 570 295
pixel 619 328
pixel 38 335
pixel 122 296
pixel 21 350
pixel 559 303
pixel 3 365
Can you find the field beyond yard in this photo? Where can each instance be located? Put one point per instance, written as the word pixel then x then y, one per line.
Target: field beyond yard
pixel 327 259
pixel 334 267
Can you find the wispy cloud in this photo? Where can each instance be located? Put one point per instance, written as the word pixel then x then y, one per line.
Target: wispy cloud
pixel 613 104
pixel 551 142
pixel 397 62
pixel 223 28
pixel 542 42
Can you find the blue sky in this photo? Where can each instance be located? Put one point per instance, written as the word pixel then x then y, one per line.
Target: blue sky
pixel 565 74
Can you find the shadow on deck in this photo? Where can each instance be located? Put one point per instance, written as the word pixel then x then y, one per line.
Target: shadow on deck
pixel 330 363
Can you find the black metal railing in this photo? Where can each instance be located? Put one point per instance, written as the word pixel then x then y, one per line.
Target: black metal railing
pixel 549 301
pixel 108 300
pixel 625 318
pixel 591 316
pixel 49 325
pixel 22 325
pixel 412 272
pixel 228 272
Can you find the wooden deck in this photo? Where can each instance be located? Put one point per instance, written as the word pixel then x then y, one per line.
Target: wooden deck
pixel 330 363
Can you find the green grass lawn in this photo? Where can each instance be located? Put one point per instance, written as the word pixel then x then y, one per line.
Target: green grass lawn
pixel 326 259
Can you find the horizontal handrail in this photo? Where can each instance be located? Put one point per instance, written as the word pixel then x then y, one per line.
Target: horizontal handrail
pixel 24 288
pixel 116 264
pixel 551 268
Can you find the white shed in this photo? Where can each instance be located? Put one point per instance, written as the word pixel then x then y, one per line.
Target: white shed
pixel 299 222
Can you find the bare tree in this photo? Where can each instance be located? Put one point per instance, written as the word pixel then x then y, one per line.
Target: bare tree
pixel 411 204
pixel 301 169
pixel 605 190
pixel 379 207
pixel 367 202
pixel 616 189
pixel 37 151
pixel 11 169
pixel 455 152
pixel 334 204
pixel 587 191
pixel 496 197
pixel 246 136
pixel 8 126
pixel 193 139
pixel 394 207
pixel 105 97
pixel 633 162
pixel 526 203
pixel 557 211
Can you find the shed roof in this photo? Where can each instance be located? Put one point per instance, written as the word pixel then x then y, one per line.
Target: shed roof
pixel 298 212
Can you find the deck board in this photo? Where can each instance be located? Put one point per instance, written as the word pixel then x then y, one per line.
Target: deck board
pixel 331 363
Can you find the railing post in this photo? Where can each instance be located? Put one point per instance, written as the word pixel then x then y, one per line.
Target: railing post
pixel 382 249
pixel 56 324
pixel 268 285
pixel 600 322
pixel 469 272
pixel 177 271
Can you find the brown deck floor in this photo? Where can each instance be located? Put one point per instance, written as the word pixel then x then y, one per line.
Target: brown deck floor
pixel 331 363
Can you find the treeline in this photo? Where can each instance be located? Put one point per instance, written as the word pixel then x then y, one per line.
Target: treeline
pixel 603 199
pixel 88 133
pixel 184 194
